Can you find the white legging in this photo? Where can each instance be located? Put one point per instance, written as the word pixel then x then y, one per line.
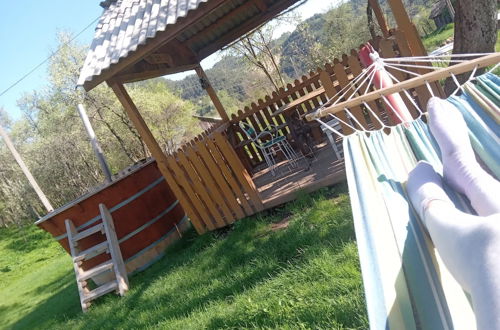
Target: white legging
pixel 470 247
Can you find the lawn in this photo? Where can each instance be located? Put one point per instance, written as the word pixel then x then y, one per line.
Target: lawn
pixel 437 38
pixel 294 267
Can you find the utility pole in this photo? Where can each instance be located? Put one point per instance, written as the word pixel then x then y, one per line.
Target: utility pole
pixel 95 144
pixel 25 170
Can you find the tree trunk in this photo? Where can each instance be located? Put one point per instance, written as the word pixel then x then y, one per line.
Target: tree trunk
pixel 475 31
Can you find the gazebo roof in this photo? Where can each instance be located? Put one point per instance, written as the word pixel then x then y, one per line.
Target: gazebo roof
pixel 437 9
pixel 141 39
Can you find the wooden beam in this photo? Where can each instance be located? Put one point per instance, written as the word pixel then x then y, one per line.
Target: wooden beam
pixel 245 7
pixel 138 76
pixel 25 170
pixel 477 63
pixel 211 92
pixel 406 26
pixel 161 37
pixel 380 17
pixel 141 126
pixel 244 28
pixel 180 58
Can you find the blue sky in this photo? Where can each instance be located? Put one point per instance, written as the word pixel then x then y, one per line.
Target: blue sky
pixel 28 36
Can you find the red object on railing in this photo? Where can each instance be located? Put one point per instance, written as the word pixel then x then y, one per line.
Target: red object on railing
pixel 397 109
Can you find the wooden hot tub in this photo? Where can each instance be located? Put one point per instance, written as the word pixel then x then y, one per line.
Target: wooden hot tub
pixel 146 214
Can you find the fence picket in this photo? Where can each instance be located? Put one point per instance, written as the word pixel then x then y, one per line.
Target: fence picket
pixel 205 152
pixel 209 184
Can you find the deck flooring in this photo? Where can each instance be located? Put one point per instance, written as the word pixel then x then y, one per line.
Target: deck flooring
pixel 309 176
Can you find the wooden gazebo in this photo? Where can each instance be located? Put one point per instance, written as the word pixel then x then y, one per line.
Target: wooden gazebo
pixel 138 40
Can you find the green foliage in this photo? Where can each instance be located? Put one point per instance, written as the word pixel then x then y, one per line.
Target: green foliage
pixel 438 38
pixel 169 117
pixel 52 140
pixel 250 276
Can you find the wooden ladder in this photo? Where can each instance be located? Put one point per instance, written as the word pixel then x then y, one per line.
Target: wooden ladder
pixel 115 264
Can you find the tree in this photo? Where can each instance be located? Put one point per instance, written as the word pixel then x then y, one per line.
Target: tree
pixel 55 146
pixel 261 50
pixel 475 30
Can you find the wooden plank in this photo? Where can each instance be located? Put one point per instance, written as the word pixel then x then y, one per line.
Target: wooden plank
pixel 186 204
pixel 246 27
pixel 221 164
pixel 380 17
pixel 114 250
pixel 212 94
pixel 356 71
pixel 422 92
pixel 206 156
pixel 344 81
pixel 26 171
pixel 266 113
pixel 82 288
pixel 208 182
pixel 239 171
pixel 388 52
pixel 330 91
pixel 481 62
pixel 140 125
pixel 154 148
pixel 253 155
pixel 406 26
pixel 193 204
pixel 100 291
pixel 200 190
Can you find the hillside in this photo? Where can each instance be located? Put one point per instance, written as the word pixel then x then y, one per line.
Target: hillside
pixel 314 42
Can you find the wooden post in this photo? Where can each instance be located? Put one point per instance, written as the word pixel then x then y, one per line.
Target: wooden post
pixel 25 170
pixel 95 144
pixel 140 125
pixel 114 250
pixel 406 26
pixel 380 17
pixel 205 84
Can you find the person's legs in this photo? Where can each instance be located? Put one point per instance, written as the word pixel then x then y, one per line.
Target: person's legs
pixel 469 245
pixel 460 168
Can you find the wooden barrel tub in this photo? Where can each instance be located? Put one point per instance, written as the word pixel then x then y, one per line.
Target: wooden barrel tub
pixel 146 214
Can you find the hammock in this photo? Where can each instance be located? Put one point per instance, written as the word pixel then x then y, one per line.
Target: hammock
pixel 406 284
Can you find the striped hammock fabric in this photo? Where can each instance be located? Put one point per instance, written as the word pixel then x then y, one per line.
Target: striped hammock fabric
pixel 406 284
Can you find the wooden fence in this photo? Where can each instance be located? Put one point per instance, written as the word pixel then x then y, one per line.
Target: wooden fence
pixel 325 83
pixel 211 182
pixel 210 175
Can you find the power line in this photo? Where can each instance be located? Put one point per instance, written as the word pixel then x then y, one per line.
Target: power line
pixel 48 58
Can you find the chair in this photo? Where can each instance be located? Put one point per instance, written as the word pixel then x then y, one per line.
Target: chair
pixel 268 142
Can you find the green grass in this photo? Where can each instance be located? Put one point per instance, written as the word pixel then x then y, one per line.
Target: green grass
pixel 250 276
pixel 437 38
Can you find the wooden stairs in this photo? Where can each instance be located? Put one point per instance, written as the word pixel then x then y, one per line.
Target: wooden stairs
pixel 115 264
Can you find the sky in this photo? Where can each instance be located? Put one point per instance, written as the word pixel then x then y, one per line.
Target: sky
pixel 28 31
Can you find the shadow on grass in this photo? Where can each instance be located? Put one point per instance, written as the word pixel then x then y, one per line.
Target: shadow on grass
pixel 26 238
pixel 203 270
pixel 56 309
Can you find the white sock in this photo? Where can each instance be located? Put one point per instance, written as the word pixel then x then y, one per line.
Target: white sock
pixel 460 168
pixel 425 185
pixel 469 245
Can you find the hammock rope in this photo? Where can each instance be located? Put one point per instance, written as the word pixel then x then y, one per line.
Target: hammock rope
pixel 406 283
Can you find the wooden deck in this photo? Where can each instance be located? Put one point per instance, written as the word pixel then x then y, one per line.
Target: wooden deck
pixel 323 171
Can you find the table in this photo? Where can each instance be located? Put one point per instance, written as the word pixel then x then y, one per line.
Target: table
pixel 284 108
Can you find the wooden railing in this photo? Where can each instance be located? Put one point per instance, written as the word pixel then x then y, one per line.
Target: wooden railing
pixel 211 182
pixel 325 83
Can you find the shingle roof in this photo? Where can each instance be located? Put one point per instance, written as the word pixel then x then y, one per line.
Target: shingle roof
pixel 437 8
pixel 125 25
